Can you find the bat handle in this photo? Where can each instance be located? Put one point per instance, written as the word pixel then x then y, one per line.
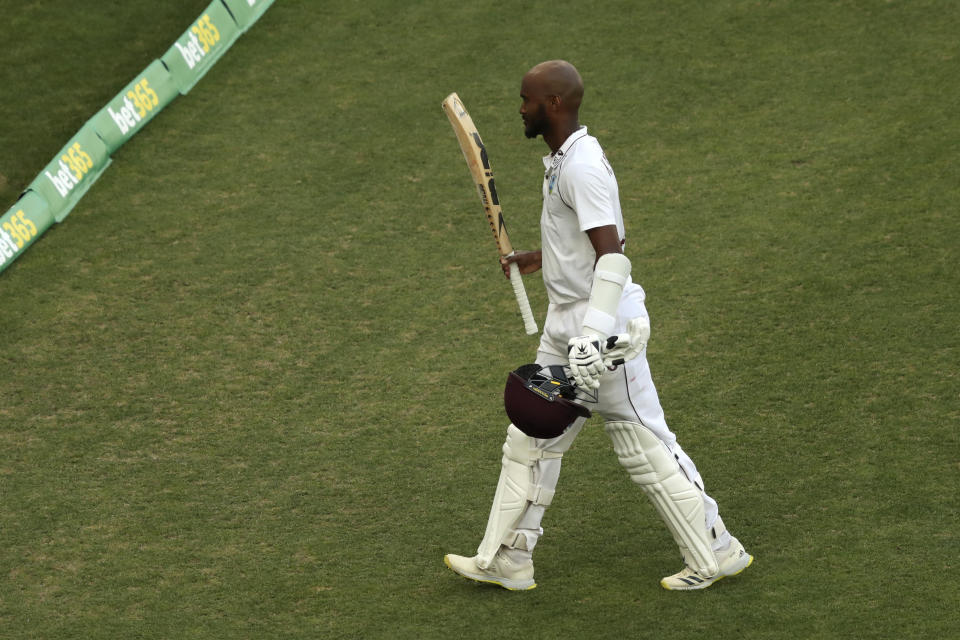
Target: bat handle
pixel 529 324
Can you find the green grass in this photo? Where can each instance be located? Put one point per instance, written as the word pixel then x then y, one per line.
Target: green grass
pixel 252 385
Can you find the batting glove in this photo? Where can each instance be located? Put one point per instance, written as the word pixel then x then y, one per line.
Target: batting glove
pixel 624 347
pixel 586 361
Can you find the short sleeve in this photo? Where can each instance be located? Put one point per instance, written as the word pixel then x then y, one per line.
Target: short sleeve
pixel 585 189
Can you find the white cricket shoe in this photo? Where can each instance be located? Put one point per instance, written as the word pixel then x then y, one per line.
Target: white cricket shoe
pixel 504 571
pixel 732 561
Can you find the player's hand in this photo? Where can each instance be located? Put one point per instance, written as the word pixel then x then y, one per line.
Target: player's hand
pixel 624 347
pixel 586 361
pixel 526 261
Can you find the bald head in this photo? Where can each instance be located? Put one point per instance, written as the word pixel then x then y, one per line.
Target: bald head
pixel 551 94
pixel 558 78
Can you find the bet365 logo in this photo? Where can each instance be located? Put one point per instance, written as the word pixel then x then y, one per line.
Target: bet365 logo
pixel 137 103
pixel 74 165
pixel 15 233
pixel 202 37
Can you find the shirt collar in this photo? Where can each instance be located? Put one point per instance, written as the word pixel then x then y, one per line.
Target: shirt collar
pixel 552 160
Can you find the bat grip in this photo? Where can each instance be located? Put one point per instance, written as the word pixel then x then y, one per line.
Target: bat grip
pixel 529 324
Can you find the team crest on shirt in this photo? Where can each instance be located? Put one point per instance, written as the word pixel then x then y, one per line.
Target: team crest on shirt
pixel 552 183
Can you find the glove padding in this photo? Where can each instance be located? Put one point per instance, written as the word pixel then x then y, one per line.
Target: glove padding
pixel 586 361
pixel 624 347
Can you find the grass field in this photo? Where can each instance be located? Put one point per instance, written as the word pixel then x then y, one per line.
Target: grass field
pixel 251 387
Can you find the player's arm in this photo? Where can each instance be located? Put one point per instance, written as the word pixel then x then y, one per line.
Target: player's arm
pixel 605 239
pixel 598 348
pixel 526 261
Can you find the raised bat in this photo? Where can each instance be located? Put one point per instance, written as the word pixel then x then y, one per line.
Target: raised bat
pixel 479 163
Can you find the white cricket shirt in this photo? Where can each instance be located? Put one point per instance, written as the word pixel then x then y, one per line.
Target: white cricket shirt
pixel 579 193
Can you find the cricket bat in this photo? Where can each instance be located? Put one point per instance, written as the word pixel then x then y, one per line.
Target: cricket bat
pixel 479 163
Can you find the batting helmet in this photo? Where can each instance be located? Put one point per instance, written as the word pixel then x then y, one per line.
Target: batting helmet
pixel 539 400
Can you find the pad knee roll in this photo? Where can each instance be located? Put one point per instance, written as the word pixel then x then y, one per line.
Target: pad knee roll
pixel 678 500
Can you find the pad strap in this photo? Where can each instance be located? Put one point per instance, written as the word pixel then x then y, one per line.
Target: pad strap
pixel 620 279
pixel 539 494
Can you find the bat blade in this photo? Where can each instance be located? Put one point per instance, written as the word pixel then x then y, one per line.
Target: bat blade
pixel 478 161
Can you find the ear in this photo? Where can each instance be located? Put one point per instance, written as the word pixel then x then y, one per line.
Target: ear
pixel 554 102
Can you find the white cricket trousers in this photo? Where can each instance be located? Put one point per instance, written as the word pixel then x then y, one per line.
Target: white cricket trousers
pixel 627 394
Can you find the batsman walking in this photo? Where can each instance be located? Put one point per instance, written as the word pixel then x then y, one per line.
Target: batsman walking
pixel 596 328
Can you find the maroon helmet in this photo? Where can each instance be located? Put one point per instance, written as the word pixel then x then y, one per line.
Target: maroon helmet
pixel 540 400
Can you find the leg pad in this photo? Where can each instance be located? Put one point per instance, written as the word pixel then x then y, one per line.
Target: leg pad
pixel 519 487
pixel 678 500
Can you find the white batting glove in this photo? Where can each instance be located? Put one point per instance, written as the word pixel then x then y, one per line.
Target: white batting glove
pixel 586 361
pixel 627 346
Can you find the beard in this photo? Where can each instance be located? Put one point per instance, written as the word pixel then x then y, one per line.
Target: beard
pixel 535 123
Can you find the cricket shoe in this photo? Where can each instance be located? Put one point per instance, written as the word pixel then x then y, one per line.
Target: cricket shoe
pixel 503 571
pixel 732 561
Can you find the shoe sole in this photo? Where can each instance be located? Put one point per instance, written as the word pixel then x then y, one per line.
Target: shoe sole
pixel 707 583
pixel 510 585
